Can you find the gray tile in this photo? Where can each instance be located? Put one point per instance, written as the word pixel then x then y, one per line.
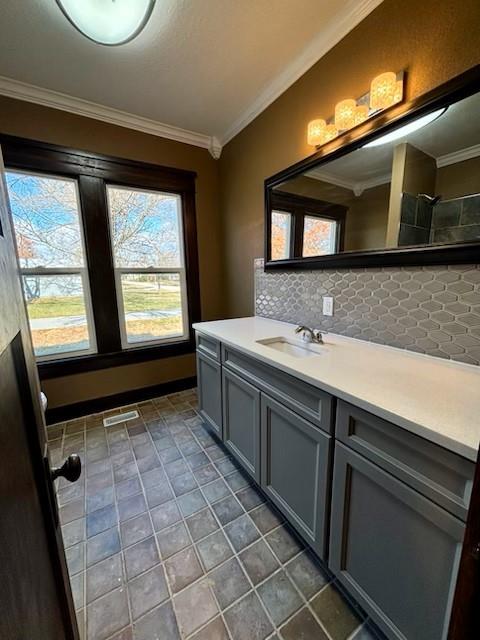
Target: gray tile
pixel 183 483
pixel 73 532
pixel 197 460
pixel 100 499
pixel 266 518
pixel 279 597
pixel 140 557
pixel 195 607
pixel 201 524
pixel 99 481
pixel 237 481
pixel 130 507
pixel 75 558
pixel 104 577
pixel 67 493
pixel 76 583
pixel 189 448
pixel 182 569
pixel 214 630
pixel 148 463
pixel 247 620
pixel 147 591
pixel 101 520
pixel 128 488
pixel 72 510
pixel 334 613
pixel 206 474
pixel 216 491
pixel 214 550
pixel 177 468
pixel 159 624
pixel 107 615
pixel 170 455
pixel 125 634
pixel 241 532
pixel 229 582
pixel 127 470
pixel 191 503
pixel 136 529
pixel 216 452
pixel 165 515
pixel 226 466
pixel 303 626
pixel 158 495
pixel 173 540
pixel 102 546
pixel 307 574
pixel 283 543
pixel 227 509
pixel 258 561
pixel 250 498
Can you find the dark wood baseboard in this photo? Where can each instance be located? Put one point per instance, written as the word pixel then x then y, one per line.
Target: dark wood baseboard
pixel 71 411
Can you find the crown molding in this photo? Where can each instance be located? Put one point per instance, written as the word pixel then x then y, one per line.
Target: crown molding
pixel 48 98
pixel 344 22
pixel 459 156
pixel 357 187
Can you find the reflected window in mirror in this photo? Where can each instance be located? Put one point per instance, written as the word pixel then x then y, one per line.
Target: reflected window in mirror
pixel 417 186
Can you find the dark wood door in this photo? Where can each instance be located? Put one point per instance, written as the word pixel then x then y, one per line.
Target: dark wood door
pixel 35 596
pixel 465 618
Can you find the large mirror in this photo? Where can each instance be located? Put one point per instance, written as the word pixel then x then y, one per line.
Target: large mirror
pixel 407 192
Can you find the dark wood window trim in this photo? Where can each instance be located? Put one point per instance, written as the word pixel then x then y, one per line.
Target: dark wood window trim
pixel 93 172
pixel 299 207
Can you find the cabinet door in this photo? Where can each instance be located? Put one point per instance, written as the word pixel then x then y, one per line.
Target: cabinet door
pixel 209 381
pixel 295 470
pixel 241 421
pixel 393 549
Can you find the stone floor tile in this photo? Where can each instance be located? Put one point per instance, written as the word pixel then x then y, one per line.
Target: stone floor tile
pixel 241 532
pixel 195 606
pixel 335 613
pixel 258 561
pixel 247 620
pixel 306 573
pixel 250 497
pixel 107 615
pixel 279 597
pixel 104 577
pixel 173 540
pixel 140 557
pixel 101 520
pixel 136 529
pixel 229 582
pixel 192 502
pixel 165 515
pixel 102 546
pixel 266 518
pixel 147 591
pixel 201 524
pixel 183 569
pixel 227 509
pixel 216 491
pixel 159 624
pixel 283 543
pixel 214 630
pixel 303 626
pixel 214 550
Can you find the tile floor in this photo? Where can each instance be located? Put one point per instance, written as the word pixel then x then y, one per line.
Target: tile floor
pixel 166 539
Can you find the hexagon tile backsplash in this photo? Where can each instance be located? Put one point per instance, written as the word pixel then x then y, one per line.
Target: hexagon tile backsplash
pixel 433 310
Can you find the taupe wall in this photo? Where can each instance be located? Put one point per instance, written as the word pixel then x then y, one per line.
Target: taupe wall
pixel 432 40
pixel 50 125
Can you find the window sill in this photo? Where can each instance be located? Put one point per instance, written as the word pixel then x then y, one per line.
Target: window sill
pixel 97 361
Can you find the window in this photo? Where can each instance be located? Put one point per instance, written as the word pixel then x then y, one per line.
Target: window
pixel 46 217
pixel 108 256
pixel 147 242
pixel 319 236
pixel 281 232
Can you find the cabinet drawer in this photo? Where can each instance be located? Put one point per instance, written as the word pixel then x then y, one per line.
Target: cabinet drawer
pixel 308 401
pixel 393 549
pixel 208 345
pixel 441 475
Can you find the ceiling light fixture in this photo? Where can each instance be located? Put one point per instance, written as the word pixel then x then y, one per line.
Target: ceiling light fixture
pixel 406 129
pixel 108 22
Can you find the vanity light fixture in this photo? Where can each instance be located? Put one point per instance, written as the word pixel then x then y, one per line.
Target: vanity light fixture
pixel 108 22
pixel 406 129
pixel 386 90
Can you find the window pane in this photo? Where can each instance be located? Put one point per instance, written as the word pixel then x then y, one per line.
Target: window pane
pixel 145 228
pixel 56 310
pixel 152 306
pixel 319 236
pixel 281 225
pixel 46 220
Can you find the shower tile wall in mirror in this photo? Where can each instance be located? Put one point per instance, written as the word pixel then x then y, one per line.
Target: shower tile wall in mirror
pixel 404 189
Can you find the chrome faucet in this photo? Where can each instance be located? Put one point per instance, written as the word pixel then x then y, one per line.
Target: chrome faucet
pixel 310 335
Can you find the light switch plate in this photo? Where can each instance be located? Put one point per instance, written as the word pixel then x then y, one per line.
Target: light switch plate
pixel 327 305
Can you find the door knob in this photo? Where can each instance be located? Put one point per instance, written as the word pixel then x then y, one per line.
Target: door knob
pixel 70 469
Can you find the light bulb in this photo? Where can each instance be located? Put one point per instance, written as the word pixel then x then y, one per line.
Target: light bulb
pixel 382 91
pixel 315 132
pixel 345 114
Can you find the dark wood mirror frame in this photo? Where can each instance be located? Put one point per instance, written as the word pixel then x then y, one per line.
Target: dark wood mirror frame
pixel 456 89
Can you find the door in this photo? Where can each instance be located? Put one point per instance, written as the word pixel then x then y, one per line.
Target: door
pixel 35 596
pixel 241 421
pixel 394 550
pixel 465 619
pixel 209 379
pixel 295 470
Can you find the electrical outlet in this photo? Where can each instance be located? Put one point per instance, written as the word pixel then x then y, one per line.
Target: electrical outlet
pixel 327 303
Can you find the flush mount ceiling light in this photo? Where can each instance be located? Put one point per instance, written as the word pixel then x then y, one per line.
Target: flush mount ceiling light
pixel 406 129
pixel 108 22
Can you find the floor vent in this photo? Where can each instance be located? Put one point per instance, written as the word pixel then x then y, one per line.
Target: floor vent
pixel 121 417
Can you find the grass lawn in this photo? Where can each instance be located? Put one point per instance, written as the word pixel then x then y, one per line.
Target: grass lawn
pixel 136 299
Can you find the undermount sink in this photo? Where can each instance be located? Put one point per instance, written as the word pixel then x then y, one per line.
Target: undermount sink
pixel 295 348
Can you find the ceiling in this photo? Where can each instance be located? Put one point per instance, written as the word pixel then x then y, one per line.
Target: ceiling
pixel 202 67
pixel 451 138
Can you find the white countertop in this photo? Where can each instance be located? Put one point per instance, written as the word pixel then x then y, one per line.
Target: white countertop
pixel 433 398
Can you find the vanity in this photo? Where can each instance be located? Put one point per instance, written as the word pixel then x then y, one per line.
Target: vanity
pixel 368 451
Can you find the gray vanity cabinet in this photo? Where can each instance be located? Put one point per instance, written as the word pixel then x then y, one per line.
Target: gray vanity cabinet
pixel 209 380
pixel 295 470
pixel 393 549
pixel 241 421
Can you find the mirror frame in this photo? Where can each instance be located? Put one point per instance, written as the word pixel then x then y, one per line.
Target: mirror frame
pixel 456 89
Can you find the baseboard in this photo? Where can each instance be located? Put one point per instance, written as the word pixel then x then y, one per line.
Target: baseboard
pixel 78 409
